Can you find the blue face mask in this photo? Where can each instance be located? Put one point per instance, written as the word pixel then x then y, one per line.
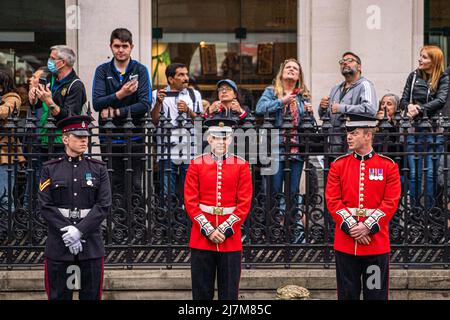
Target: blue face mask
pixel 51 65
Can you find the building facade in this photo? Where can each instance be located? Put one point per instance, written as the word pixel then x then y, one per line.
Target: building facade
pixel 245 40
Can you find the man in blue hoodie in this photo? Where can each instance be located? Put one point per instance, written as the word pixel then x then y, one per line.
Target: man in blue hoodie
pixel 355 95
pixel 121 88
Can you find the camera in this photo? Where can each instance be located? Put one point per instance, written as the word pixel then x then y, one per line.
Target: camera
pixel 172 93
pixel 43 81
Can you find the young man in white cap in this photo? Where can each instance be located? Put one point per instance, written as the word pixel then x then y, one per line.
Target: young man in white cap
pixel 218 195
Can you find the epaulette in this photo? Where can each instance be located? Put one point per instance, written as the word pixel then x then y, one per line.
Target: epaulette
pixel 53 161
pixel 341 157
pixel 386 157
pixel 200 155
pixel 239 157
pixel 95 160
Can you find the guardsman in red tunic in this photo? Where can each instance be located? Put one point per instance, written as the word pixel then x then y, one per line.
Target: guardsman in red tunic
pixel 362 193
pixel 218 196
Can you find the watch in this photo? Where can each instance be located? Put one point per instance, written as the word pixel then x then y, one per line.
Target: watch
pixel 52 106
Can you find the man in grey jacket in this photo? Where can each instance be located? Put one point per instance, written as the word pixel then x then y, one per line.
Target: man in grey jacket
pixel 355 95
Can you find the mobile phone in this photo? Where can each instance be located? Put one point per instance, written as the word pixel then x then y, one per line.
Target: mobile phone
pixel 296 91
pixel 172 93
pixel 134 77
pixel 43 81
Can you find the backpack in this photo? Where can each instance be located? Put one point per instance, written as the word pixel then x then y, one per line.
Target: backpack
pixel 84 108
pixel 192 95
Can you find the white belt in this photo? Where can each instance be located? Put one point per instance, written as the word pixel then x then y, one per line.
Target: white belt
pixel 220 211
pixel 361 212
pixel 74 214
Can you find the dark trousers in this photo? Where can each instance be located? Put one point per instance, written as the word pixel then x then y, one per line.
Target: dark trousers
pixel 59 287
pixel 372 270
pixel 205 265
pixel 120 165
pixel 178 174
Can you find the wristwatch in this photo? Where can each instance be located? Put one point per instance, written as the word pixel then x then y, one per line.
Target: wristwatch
pixel 52 106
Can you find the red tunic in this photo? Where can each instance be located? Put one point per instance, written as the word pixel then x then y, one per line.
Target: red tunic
pixel 369 182
pixel 226 184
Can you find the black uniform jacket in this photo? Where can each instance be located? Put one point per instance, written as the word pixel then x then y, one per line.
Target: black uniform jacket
pixel 74 183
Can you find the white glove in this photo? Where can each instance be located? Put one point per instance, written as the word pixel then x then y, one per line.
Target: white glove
pixel 71 236
pixel 76 248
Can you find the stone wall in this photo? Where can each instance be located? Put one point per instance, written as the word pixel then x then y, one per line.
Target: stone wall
pixel 161 284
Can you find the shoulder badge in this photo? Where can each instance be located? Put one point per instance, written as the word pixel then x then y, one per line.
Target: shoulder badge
pixel 95 160
pixel 53 161
pixel 386 157
pixel 199 156
pixel 341 157
pixel 44 184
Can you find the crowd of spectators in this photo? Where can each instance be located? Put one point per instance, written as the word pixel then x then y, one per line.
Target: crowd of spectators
pixel 122 91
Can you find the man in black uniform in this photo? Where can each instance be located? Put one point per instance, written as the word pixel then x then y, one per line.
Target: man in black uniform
pixel 74 198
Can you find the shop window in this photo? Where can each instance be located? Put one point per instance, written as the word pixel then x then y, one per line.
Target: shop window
pixel 437 25
pixel 27 31
pixel 243 40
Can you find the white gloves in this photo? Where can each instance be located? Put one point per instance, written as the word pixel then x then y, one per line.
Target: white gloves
pixel 71 236
pixel 76 248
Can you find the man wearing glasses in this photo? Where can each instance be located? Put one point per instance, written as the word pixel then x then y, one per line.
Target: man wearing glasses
pixel 356 94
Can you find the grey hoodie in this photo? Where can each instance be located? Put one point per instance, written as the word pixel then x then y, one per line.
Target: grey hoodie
pixel 360 98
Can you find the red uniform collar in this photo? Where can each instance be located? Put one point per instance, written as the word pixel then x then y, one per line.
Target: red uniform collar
pixel 222 158
pixel 364 157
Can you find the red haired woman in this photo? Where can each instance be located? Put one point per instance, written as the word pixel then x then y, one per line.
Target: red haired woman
pixel 425 90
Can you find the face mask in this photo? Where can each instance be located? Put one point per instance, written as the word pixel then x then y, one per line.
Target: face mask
pixel 51 65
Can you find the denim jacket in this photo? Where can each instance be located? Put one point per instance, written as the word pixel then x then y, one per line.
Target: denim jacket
pixel 269 102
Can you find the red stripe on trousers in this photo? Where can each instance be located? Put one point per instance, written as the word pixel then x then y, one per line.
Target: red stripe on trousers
pixel 47 286
pixel 101 278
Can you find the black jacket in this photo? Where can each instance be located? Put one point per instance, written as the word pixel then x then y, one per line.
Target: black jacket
pixel 423 95
pixel 66 99
pixel 107 82
pixel 446 110
pixel 71 183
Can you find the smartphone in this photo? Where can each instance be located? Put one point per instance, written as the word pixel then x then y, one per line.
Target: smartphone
pixel 134 77
pixel 43 81
pixel 172 93
pixel 296 91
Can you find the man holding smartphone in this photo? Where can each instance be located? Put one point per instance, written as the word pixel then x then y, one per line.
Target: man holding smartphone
pixel 64 93
pixel 122 86
pixel 175 100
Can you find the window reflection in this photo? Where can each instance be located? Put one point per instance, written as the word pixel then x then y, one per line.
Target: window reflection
pixel 241 40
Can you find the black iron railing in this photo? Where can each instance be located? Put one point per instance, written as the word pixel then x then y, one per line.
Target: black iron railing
pixel 147 224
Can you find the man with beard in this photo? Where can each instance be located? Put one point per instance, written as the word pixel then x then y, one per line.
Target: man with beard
pixel 355 95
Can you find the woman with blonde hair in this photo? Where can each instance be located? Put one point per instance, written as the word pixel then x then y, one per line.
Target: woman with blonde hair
pixel 425 91
pixel 288 93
